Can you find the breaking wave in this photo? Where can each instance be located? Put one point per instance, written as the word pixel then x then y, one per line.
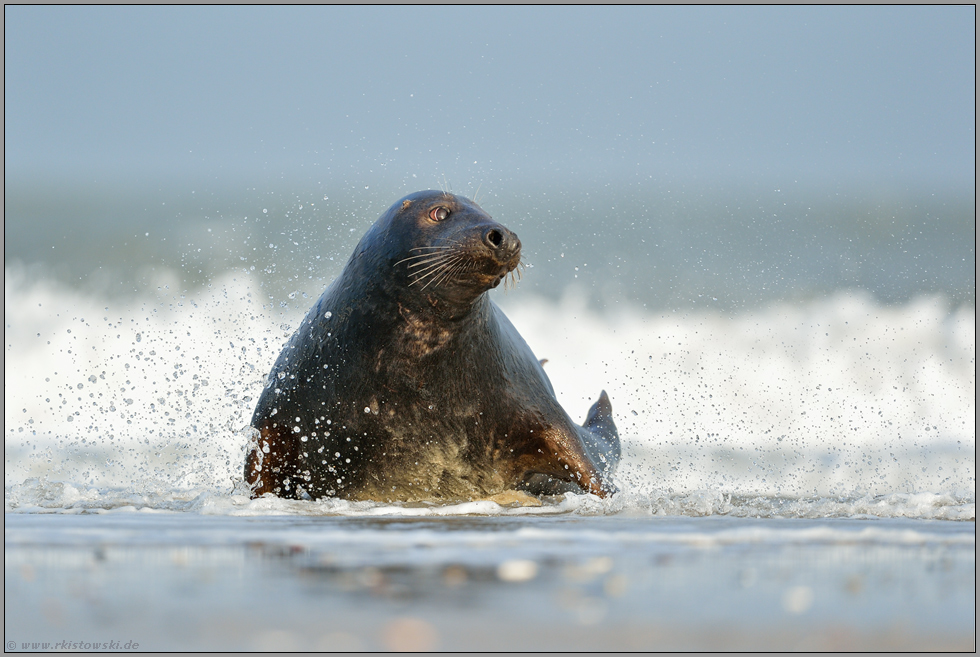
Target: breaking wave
pixel 834 407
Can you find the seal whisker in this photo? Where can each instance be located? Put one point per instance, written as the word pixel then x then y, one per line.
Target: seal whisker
pixel 445 273
pixel 460 269
pixel 457 269
pixel 437 258
pixel 432 254
pixel 432 271
pixel 434 278
pixel 433 265
pixel 467 266
pixel 439 278
pixel 514 275
pixel 443 247
pixel 419 257
pixel 449 243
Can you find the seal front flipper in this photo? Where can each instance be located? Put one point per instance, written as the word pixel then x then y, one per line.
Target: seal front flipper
pixel 565 460
pixel 272 463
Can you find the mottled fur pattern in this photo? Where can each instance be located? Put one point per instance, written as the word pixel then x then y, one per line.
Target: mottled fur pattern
pixel 405 382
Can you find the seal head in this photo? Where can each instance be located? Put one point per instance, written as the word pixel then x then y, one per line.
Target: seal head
pixel 440 249
pixel 405 382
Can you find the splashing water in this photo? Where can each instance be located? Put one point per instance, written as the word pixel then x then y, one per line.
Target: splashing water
pixel 834 407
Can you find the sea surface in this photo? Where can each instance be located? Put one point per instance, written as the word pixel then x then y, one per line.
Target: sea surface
pixel 796 400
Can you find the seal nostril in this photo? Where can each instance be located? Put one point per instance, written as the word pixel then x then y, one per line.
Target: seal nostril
pixel 495 238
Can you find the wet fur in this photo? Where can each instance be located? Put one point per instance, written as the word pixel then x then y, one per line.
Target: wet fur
pixel 417 386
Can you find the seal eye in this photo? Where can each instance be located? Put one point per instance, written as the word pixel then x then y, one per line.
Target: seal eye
pixel 438 213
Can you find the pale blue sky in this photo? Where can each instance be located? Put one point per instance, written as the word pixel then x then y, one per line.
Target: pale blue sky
pixel 839 95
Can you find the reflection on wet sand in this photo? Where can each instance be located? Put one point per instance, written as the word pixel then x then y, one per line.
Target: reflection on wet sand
pixel 566 583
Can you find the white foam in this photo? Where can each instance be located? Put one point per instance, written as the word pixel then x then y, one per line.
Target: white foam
pixel 836 407
pixel 828 398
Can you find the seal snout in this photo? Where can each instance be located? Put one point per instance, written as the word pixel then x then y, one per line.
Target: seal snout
pixel 503 243
pixel 504 253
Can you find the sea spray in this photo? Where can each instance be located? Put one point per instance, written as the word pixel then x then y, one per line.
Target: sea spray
pixel 836 406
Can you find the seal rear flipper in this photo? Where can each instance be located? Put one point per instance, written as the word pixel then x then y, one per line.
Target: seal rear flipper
pixel 602 443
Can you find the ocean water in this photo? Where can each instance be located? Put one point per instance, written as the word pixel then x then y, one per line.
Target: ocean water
pixel 799 470
pixel 838 406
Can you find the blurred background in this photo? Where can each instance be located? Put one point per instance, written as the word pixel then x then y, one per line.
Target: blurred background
pixel 754 227
pixel 667 157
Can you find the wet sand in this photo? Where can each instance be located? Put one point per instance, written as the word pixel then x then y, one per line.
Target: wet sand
pixel 179 581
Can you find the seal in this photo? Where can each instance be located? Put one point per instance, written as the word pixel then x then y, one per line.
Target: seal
pixel 405 382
